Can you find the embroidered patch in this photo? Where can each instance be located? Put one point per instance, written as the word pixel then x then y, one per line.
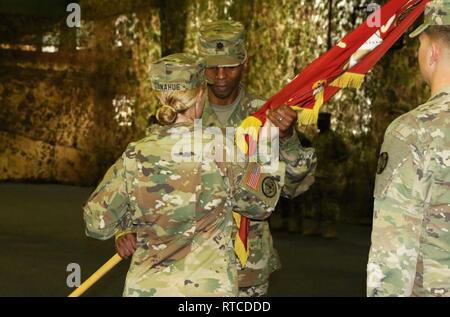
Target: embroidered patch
pixel 253 177
pixel 269 187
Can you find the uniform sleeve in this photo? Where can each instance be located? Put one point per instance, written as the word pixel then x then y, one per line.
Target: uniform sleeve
pixel 300 163
pixel 400 191
pixel 106 211
pixel 257 191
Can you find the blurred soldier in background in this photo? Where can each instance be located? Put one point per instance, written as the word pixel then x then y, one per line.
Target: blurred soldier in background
pixel 289 213
pixel 331 155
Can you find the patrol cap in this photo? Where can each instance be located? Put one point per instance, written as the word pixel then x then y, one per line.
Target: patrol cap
pixel 222 43
pixel 436 13
pixel 177 72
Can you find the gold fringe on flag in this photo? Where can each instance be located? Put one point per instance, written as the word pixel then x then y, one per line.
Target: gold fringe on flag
pixel 346 80
pixel 349 80
pixel 311 116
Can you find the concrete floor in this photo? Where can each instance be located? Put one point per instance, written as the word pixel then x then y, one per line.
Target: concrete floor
pixel 42 231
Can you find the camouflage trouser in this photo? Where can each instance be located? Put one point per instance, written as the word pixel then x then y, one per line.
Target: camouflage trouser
pixel 254 291
pixel 289 214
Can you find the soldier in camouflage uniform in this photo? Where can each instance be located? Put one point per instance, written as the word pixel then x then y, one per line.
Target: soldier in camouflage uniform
pixel 326 191
pixel 410 248
pixel 222 43
pixel 178 204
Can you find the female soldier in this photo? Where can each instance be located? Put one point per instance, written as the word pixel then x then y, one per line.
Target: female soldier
pixel 180 207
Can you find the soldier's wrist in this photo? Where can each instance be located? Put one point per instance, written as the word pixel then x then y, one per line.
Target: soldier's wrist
pixel 120 234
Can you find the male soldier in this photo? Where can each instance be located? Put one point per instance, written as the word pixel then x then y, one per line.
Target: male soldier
pixel 331 154
pixel 411 230
pixel 222 43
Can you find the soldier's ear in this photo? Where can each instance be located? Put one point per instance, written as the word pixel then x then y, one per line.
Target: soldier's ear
pixel 436 52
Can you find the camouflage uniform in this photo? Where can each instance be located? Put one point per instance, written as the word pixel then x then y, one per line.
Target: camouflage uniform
pixel 180 208
pixel 300 164
pixel 222 44
pixel 410 248
pixel 411 230
pixel 289 213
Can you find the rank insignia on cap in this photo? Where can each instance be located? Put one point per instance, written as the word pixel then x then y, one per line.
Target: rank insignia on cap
pixel 382 162
pixel 220 46
pixel 269 187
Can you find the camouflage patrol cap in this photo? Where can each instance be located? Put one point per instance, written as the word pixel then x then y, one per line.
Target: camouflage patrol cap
pixel 177 72
pixel 222 43
pixel 436 13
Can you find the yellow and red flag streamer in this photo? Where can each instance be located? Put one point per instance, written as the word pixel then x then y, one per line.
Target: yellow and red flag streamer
pixel 345 65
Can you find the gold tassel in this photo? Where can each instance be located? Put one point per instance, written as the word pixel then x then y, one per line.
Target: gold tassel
pixel 346 80
pixel 239 247
pixel 349 80
pixel 311 116
pixel 250 126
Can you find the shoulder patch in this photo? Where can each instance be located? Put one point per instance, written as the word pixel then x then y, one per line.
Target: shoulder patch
pixel 266 187
pixel 269 187
pixel 394 154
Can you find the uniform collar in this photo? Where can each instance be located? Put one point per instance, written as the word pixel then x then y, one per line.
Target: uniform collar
pixel 210 118
pixel 445 90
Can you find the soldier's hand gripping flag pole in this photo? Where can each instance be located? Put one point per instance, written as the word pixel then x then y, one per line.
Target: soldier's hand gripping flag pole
pixel 116 259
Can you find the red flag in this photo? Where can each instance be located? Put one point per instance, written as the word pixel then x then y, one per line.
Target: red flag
pixel 345 65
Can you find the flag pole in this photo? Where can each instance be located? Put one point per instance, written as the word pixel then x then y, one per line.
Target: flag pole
pixel 116 259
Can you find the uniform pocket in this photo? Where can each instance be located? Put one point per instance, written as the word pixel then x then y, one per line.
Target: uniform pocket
pixel 440 187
